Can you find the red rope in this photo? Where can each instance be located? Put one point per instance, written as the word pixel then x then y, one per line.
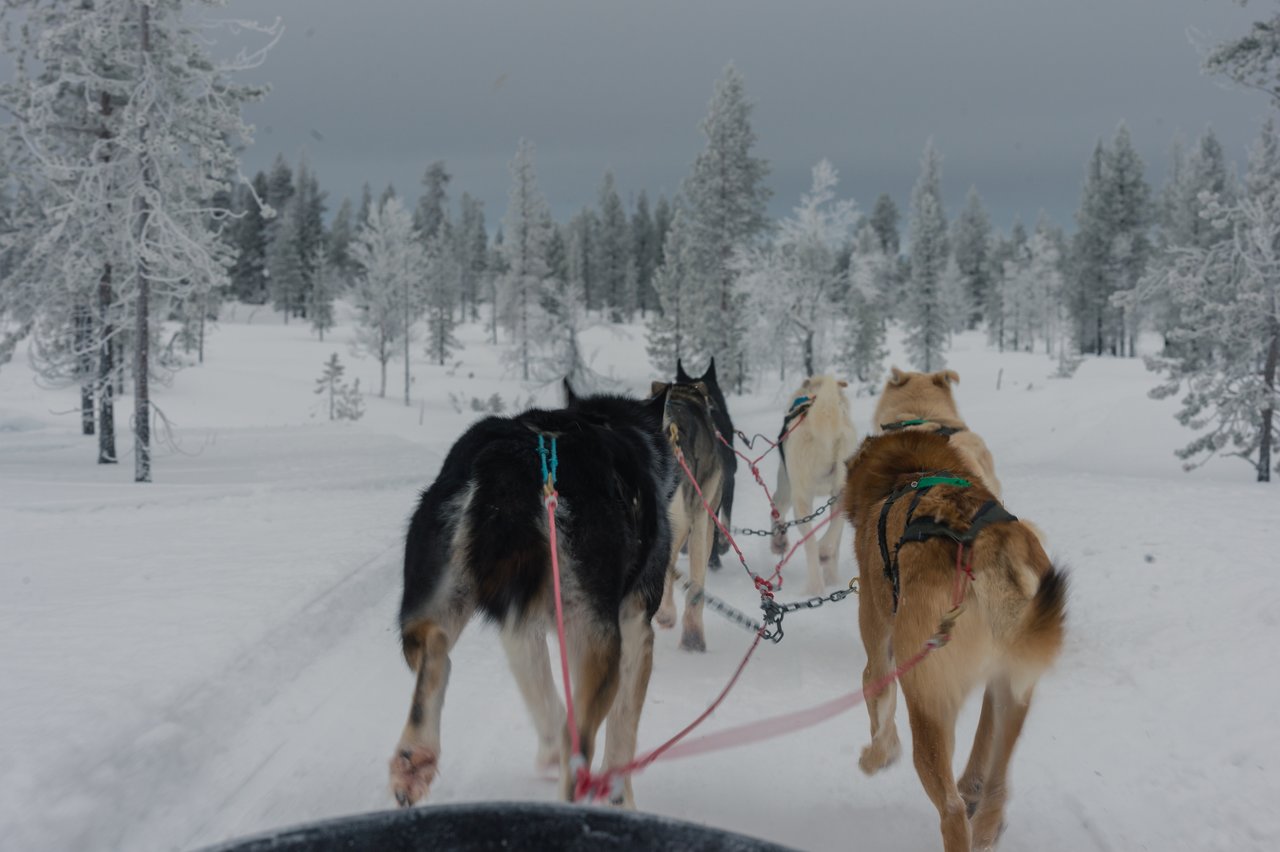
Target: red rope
pixel 777 572
pixel 550 501
pixel 600 785
pixel 693 480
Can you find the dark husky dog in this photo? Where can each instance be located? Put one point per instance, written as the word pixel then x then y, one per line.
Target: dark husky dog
pixel 479 540
pixel 724 425
pixel 689 412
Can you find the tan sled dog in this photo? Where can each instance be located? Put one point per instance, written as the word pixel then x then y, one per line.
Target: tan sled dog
pixel 811 469
pixel 923 402
pixel 908 526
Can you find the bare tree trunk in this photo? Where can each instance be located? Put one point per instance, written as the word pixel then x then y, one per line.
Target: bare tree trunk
pixel 384 357
pixel 1268 413
pixel 204 310
pixel 524 329
pixel 406 340
pixel 142 345
pixel 106 372
pixel 84 364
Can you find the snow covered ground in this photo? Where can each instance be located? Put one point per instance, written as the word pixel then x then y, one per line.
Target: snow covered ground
pixel 215 654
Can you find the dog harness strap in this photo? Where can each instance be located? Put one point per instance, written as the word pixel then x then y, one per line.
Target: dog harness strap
pixel 930 481
pixel 914 530
pixel 891 563
pixel 944 431
pixel 990 513
pixel 883 535
pixel 799 408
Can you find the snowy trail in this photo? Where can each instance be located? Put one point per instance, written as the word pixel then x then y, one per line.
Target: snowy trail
pixel 215 655
pixel 299 725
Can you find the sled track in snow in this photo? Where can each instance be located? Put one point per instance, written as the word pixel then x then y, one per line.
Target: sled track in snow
pixel 151 772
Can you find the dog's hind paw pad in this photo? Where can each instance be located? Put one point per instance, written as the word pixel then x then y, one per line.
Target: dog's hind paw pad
pixel 413 768
pixel 693 640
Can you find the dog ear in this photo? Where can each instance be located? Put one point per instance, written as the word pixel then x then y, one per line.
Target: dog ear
pixel 842 383
pixel 658 389
pixel 656 405
pixel 681 376
pixel 569 396
pixel 943 377
pixel 897 378
pixel 710 374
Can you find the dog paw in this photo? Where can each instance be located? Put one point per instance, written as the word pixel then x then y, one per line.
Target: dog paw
pixel 986 836
pixel 878 755
pixel 547 763
pixel 693 640
pixel 412 770
pixel 665 618
pixel 971 792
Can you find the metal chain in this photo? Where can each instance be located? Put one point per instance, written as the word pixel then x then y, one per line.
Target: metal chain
pixel 787 524
pixel 717 605
pixel 774 611
pixel 732 613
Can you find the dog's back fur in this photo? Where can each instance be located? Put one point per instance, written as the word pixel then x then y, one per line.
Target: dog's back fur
pixel 611 453
pixel 811 469
pixel 928 397
pixel 724 425
pixel 690 411
pixel 480 540
pixel 1009 632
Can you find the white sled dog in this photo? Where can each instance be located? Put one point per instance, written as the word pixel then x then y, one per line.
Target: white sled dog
pixel 811 469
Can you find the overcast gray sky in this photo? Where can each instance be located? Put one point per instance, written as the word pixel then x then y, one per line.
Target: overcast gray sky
pixel 1014 92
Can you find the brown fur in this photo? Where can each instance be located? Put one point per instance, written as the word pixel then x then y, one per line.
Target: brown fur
pixel 927 396
pixel 1010 630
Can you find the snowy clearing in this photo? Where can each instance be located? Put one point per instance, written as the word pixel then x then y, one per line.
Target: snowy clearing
pixel 214 654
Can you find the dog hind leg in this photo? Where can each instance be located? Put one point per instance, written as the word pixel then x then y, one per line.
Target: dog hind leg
pixel 414 765
pixel 884 747
pixel 594 653
pixel 624 717
pixel 526 647
pixel 813 585
pixel 933 742
pixel 693 636
pixel 679 513
pixel 975 771
pixel 829 547
pixel 1010 713
pixel 781 503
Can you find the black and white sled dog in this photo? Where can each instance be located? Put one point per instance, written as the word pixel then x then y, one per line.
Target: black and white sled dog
pixel 811 460
pixel 724 425
pixel 479 540
pixel 689 412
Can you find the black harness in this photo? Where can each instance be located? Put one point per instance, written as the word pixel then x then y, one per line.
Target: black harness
pixel 944 431
pixel 799 408
pixel 922 529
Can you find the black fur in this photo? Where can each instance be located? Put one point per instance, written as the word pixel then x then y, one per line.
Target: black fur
pixel 724 425
pixel 616 477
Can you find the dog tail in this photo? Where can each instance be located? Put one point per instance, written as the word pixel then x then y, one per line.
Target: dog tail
pixel 1039 632
pixel 1043 627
